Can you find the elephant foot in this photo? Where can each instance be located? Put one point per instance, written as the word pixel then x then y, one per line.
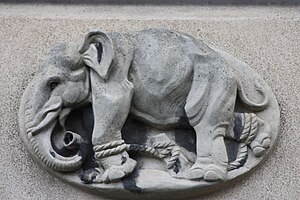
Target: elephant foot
pixel 195 172
pixel 116 167
pixel 89 176
pixel 262 140
pixel 207 172
pixel 117 172
pixel 214 173
pixel 259 148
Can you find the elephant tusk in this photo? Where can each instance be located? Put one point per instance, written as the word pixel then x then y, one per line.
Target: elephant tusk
pixel 49 118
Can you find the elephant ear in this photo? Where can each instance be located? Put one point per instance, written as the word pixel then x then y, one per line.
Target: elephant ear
pixel 97 52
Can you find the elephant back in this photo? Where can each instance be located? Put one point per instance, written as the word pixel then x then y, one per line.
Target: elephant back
pixel 162 74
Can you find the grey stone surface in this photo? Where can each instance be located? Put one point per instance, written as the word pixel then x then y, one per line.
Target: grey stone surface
pixel 269 43
pixel 168 82
pixel 162 2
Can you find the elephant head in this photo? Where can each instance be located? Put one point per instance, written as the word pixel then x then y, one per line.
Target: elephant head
pixel 60 84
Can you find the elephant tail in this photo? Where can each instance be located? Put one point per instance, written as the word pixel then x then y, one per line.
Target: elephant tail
pixel 245 74
pixel 249 103
pixel 42 147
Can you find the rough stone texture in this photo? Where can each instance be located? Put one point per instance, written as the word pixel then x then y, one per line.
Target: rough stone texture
pixel 164 2
pixel 265 38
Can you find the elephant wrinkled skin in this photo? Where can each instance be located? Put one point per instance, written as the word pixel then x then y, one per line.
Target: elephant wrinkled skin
pixel 158 76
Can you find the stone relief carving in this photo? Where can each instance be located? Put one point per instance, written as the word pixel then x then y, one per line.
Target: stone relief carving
pixel 155 113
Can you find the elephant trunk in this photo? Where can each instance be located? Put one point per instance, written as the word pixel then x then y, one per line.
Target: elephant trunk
pixel 72 140
pixel 41 144
pixel 38 129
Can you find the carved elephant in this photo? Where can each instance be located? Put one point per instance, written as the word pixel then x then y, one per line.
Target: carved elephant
pixel 161 77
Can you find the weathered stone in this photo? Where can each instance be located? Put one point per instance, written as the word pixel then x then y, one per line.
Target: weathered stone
pixel 165 81
pixel 264 37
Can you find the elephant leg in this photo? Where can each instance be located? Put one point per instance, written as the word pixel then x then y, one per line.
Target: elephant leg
pixel 111 105
pixel 210 109
pixel 250 129
pixel 262 140
pixel 211 163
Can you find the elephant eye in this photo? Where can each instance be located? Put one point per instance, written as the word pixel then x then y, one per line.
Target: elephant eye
pixel 53 84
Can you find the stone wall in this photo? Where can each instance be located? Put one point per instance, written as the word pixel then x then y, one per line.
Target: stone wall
pixel 163 2
pixel 267 38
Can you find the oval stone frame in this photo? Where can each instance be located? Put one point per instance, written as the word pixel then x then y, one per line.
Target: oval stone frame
pixel 151 181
